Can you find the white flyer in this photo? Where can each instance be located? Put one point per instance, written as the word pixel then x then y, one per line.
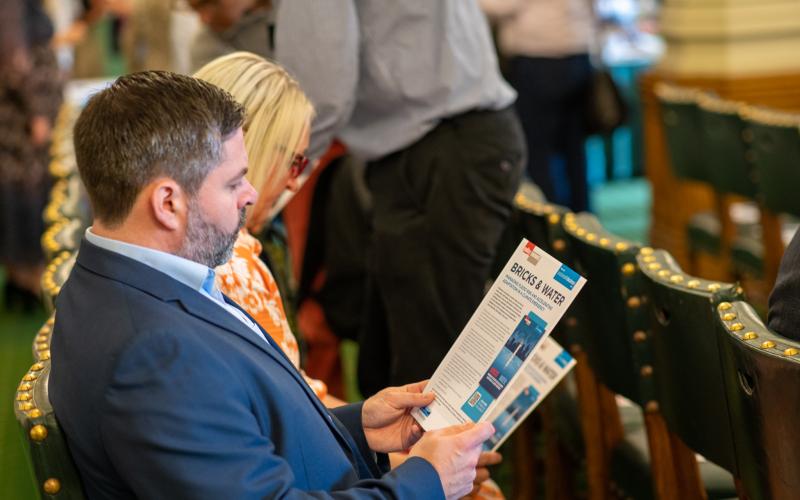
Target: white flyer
pixel 523 305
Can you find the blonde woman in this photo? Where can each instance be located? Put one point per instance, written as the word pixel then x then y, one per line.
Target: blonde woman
pixel 276 134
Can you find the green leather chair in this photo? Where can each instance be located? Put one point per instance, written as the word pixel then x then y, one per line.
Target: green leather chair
pixel 775 153
pixel 54 276
pixel 687 373
pixel 610 328
pixel 724 142
pixel 680 119
pixel 55 472
pixel 760 371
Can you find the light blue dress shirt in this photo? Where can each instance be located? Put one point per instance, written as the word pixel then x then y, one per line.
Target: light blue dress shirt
pixel 192 274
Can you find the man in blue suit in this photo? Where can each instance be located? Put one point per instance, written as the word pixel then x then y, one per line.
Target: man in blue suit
pixel 163 386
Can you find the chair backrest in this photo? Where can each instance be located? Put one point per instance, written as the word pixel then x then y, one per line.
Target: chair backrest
pixel 686 365
pixel 610 304
pixel 680 120
pixel 776 157
pixel 56 475
pixel 761 371
pixel 724 141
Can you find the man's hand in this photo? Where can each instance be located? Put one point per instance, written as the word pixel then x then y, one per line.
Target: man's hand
pixel 454 453
pixel 486 459
pixel 388 424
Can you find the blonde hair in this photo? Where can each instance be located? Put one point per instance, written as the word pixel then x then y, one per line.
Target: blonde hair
pixel 277 114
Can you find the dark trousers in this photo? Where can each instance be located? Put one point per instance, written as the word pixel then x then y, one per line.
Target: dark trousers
pixel 440 206
pixel 551 106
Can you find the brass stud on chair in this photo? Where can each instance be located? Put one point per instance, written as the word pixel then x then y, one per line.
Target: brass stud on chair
pixel 25 386
pixel 724 306
pixel 729 316
pixel 634 302
pixel 767 344
pixel 27 405
pixel 646 371
pixel 37 367
pixel 639 336
pixel 713 287
pixel 29 377
pixel 44 355
pixel 52 486
pixel 646 251
pixel 664 273
pixel 38 432
pixel 735 327
pixel 591 237
pixel 604 242
pixel 35 413
pixel 559 245
pixel 628 269
pixel 580 231
pixel 677 278
pixel 693 283
pixel 651 406
pixel 24 396
pixel 553 218
pixel 750 336
pixel 791 351
pixel 649 258
pixel 575 349
pixel 621 247
pixel 655 266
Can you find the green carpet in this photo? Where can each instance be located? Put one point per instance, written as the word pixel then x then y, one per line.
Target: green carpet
pixel 16 337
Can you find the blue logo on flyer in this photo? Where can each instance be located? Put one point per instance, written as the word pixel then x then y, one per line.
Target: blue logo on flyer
pixel 563 359
pixel 567 277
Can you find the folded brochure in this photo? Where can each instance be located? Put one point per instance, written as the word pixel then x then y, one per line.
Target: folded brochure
pixel 502 364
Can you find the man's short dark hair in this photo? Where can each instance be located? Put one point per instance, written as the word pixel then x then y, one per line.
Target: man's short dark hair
pixel 147 125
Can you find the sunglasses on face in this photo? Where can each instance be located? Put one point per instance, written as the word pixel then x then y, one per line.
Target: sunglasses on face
pixel 299 164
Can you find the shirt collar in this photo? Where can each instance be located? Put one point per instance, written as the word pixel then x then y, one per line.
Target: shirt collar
pixel 190 273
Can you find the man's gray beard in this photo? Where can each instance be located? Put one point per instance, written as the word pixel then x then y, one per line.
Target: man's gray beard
pixel 204 242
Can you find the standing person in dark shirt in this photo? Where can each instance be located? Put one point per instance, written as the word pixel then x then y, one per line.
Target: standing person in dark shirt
pixel 414 89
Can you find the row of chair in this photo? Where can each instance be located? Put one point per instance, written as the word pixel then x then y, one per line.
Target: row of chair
pixel 749 158
pixel 65 217
pixel 703 371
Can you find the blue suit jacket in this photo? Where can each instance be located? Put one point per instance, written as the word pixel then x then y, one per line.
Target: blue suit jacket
pixel 163 394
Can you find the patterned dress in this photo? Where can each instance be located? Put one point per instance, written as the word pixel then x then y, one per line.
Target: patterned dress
pixel 249 283
pixel 27 89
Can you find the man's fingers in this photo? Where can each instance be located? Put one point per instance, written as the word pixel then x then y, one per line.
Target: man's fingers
pixel 477 435
pixel 416 386
pixel 489 458
pixel 410 399
pixel 455 429
pixel 481 475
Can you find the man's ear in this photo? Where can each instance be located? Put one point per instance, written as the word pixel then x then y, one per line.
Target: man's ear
pixel 169 203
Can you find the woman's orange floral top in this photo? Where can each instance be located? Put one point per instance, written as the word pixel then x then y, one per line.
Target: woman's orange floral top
pixel 248 282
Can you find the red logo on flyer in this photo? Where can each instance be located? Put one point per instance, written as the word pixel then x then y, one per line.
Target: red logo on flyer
pixel 529 248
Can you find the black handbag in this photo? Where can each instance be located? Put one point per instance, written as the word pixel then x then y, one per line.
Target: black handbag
pixel 606 109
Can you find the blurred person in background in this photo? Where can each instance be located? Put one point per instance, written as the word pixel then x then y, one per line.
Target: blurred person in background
pixel 414 89
pixel 276 127
pixel 30 94
pixel 548 45
pixel 232 25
